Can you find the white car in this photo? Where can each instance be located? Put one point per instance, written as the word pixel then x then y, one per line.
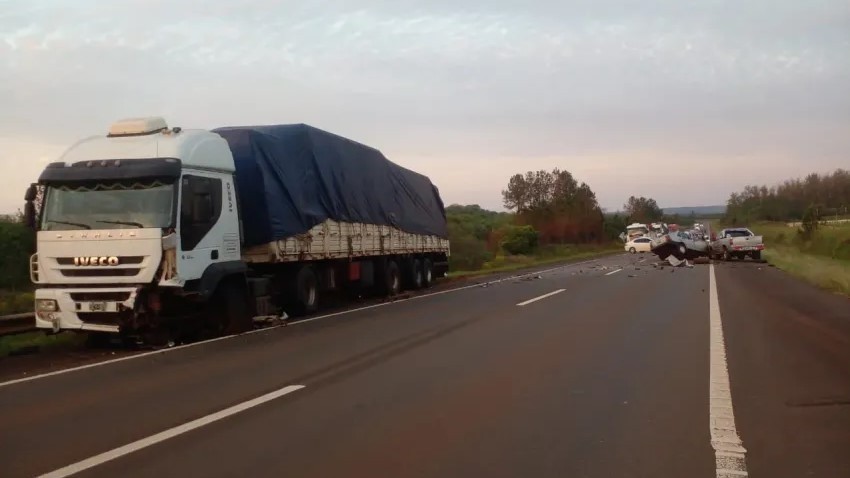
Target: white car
pixel 639 244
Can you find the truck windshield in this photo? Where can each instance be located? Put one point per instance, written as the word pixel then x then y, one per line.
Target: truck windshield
pixel 113 205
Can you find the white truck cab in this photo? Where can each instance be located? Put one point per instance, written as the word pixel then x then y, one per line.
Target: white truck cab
pixel 143 204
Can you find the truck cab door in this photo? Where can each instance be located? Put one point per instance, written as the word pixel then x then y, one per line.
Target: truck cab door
pixel 208 228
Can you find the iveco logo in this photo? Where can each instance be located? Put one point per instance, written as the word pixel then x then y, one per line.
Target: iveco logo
pixel 96 261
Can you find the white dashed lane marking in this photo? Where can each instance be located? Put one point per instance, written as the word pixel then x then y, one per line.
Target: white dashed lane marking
pixel 550 294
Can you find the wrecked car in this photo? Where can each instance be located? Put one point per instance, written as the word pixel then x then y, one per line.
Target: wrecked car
pixel 681 245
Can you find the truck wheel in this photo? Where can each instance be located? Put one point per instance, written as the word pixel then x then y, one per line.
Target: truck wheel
pixel 416 276
pixel 757 255
pixel 231 309
pixel 391 279
pixel 307 293
pixel 427 273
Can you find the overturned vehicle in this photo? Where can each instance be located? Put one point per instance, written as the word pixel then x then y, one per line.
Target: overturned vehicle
pixel 680 244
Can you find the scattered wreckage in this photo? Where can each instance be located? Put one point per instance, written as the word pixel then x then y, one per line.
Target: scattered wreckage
pixel 681 245
pixel 698 244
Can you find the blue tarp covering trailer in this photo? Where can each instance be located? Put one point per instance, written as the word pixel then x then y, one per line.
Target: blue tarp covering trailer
pixel 292 177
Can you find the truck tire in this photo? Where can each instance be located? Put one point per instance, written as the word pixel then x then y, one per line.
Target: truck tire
pixel 427 273
pixel 390 280
pixel 416 278
pixel 231 308
pixel 307 291
pixel 757 256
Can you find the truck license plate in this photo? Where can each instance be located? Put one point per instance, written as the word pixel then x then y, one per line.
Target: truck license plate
pixel 97 306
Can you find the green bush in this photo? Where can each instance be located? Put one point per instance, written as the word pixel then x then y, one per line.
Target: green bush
pixel 468 253
pixel 520 240
pixel 17 243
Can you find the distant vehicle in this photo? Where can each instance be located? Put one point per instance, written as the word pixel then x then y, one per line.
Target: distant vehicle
pixel 639 244
pixel 737 243
pixel 682 245
pixel 636 230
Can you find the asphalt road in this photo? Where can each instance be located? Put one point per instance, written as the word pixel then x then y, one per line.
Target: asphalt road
pixel 600 373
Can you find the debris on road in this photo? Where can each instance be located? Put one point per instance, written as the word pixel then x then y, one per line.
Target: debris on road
pixel 702 260
pixel 679 263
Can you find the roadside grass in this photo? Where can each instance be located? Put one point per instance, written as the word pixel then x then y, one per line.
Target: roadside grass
pixel 39 341
pixel 831 241
pixel 22 302
pixel 827 273
pixel 822 260
pixel 16 302
pixel 545 256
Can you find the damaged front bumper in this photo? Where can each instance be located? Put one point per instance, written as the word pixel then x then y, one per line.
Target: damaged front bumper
pixel 91 309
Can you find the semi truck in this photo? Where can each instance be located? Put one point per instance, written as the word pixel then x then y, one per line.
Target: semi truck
pixel 151 231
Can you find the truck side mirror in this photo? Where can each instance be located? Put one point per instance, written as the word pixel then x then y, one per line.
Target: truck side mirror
pixel 29 208
pixel 29 215
pixel 31 193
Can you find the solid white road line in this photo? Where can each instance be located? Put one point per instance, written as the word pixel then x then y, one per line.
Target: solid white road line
pixel 729 452
pixel 299 322
pixel 550 294
pixel 613 272
pixel 170 433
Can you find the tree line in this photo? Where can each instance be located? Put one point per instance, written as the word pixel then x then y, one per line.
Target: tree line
pixel 556 205
pixel 818 195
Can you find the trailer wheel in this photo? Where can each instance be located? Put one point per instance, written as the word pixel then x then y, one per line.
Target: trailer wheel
pixel 416 275
pixel 307 284
pixel 391 280
pixel 427 273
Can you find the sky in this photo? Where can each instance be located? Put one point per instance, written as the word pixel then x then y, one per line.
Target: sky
pixel 677 100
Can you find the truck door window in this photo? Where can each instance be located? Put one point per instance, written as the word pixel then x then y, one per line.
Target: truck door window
pixel 200 208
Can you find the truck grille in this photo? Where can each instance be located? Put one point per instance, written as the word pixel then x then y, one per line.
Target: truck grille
pixel 102 318
pixel 112 272
pixel 99 296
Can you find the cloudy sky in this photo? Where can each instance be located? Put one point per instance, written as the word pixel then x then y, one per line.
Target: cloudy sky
pixel 682 101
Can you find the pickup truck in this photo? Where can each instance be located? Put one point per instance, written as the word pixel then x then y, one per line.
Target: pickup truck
pixel 737 243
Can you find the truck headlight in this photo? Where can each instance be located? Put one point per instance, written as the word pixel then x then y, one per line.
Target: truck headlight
pixel 46 305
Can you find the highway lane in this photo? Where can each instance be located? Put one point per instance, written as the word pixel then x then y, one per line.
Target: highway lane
pixel 28 366
pixel 138 397
pixel 789 363
pixel 607 378
pixel 573 385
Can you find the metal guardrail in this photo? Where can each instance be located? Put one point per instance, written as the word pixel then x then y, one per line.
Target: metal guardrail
pixel 17 324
